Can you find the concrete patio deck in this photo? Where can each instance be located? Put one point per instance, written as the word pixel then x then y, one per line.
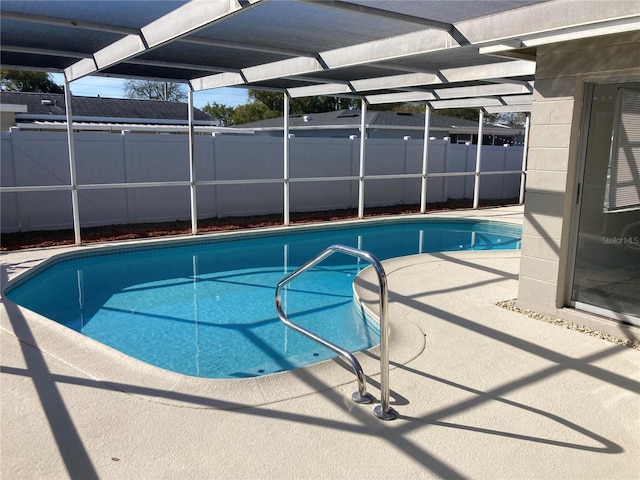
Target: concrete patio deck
pixel 482 392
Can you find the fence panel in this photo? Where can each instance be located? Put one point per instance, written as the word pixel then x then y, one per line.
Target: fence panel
pixel 315 157
pixel 457 160
pixel 205 170
pixel 44 211
pixel 436 186
pixel 413 164
pixel 384 157
pixel 9 210
pixel 513 162
pixel 240 158
pixel 493 160
pixel 157 158
pixel 41 158
pixel 100 158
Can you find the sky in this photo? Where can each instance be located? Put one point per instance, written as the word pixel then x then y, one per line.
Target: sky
pixel 114 88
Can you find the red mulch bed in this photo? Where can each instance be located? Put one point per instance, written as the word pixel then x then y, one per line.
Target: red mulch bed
pixel 49 238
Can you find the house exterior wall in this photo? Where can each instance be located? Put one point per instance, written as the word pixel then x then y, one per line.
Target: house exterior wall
pixel 8 115
pixel 563 72
pixel 7 120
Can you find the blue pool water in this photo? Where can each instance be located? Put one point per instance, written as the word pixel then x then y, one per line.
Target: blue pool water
pixel 206 307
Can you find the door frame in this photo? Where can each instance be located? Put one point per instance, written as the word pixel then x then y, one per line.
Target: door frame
pixel 588 85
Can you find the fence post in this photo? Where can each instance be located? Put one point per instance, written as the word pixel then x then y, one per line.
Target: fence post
pixel 505 159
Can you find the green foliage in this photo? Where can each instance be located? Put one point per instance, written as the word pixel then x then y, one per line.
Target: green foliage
pixel 26 81
pixel 266 104
pixel 399 107
pixel 510 119
pixel 263 105
pixel 149 90
pixel 321 104
pixel 252 112
pixel 465 113
pixel 297 106
pixel 219 111
pixel 271 100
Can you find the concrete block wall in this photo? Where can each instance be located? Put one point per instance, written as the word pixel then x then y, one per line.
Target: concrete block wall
pixel 563 72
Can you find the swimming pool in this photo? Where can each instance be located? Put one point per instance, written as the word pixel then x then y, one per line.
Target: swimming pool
pixel 204 307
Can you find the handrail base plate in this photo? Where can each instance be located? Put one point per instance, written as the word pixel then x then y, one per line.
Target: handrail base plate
pixel 366 398
pixel 390 414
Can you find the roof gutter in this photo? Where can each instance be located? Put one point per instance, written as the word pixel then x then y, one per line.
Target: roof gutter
pixel 120 127
pixel 63 119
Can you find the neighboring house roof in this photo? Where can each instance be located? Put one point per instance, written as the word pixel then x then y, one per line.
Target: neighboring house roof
pixel 51 106
pixel 377 119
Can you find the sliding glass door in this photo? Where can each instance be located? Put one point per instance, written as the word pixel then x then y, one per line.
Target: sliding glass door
pixel 606 277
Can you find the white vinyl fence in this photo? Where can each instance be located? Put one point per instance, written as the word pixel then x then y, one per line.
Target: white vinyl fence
pixel 234 176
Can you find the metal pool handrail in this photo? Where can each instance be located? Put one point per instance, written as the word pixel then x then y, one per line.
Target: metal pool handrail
pixel 382 411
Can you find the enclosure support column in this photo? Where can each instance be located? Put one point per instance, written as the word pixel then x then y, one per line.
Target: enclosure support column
pixel 476 184
pixel 525 154
pixel 192 176
pixel 285 178
pixel 72 164
pixel 425 158
pixel 363 137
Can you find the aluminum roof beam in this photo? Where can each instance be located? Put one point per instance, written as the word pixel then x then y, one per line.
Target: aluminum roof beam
pixel 513 103
pixel 407 45
pixel 519 48
pixel 50 52
pixel 368 52
pixel 191 17
pixel 400 97
pixel 187 19
pixel 406 81
pixel 527 107
pixel 247 47
pixel 480 91
pixel 330 89
pixel 68 22
pixel 549 22
pixel 412 51
pixel 475 31
pixel 378 12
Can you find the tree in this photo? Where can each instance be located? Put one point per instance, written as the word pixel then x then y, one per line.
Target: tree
pixel 271 100
pixel 297 106
pixel 220 111
pixel 26 81
pixel 150 90
pixel 321 104
pixel 465 113
pixel 398 107
pixel 510 119
pixel 252 112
